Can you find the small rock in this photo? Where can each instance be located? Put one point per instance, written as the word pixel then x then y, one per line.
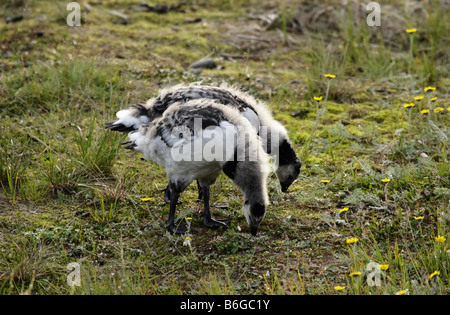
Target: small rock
pixel 13 19
pixel 206 63
pixel 300 113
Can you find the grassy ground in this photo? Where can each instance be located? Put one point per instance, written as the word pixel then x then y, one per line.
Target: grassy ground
pixel 71 194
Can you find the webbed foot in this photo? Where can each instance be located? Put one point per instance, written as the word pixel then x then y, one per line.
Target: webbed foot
pixel 213 223
pixel 177 229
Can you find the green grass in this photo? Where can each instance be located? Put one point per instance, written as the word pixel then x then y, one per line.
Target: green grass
pixel 69 193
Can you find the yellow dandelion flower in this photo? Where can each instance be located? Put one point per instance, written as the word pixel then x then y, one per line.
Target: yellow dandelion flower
pixel 418 218
pixel 434 274
pixel 329 76
pixel 425 112
pixel 433 99
pixel 438 109
pixel 384 267
pixel 440 239
pixel 146 199
pixel 356 273
pixel 188 218
pixel 343 210
pixel 339 288
pixel 429 89
pixel 411 30
pixel 402 292
pixel 409 105
pixel 325 181
pixel 418 98
pixel 385 180
pixel 352 240
pixel 318 98
pixel 448 109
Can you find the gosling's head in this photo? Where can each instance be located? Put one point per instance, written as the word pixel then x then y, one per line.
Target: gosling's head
pixel 254 213
pixel 287 174
pixel 288 165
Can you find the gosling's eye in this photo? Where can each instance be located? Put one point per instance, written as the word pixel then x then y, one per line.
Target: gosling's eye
pixel 180 135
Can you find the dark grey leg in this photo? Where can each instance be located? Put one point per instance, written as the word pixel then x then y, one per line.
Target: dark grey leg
pixel 174 195
pixel 166 192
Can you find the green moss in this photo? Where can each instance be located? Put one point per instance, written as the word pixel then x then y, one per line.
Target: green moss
pixel 381 116
pixel 355 130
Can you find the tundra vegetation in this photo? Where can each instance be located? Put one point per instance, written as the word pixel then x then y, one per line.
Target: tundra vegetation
pixel 368 215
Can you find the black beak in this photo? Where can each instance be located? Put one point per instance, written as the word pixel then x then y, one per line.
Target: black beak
pixel 284 188
pixel 253 230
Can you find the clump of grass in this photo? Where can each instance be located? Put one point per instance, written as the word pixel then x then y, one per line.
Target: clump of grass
pixel 26 264
pixel 324 59
pixel 11 157
pixel 103 214
pixel 14 158
pixel 93 159
pixel 11 190
pixel 97 150
pixel 61 176
pixel 115 190
pixel 55 87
